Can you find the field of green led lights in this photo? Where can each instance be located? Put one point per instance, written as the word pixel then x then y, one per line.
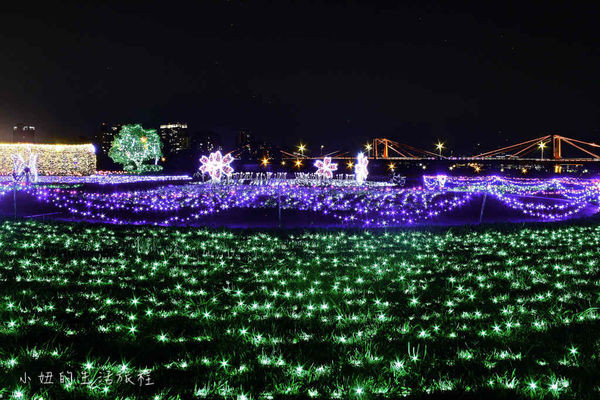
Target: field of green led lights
pixel 96 311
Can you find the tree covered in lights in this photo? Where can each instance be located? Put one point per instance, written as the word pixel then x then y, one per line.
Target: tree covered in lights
pixel 135 145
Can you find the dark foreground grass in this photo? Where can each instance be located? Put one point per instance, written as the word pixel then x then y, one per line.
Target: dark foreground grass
pixel 165 313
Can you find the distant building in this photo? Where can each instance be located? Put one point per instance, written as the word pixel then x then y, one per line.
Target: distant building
pixel 205 142
pixel 244 138
pixel 175 138
pixel 265 149
pixel 106 136
pixel 23 133
pixel 250 149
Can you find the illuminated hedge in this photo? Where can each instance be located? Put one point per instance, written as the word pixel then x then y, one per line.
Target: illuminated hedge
pixel 53 159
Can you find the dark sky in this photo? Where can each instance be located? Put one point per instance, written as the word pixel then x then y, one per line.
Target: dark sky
pixel 332 73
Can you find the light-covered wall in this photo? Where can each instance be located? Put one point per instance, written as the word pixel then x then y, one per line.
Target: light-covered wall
pixel 52 159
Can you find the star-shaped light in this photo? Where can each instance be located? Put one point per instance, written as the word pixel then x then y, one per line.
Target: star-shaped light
pixel 325 168
pixel 216 165
pixel 440 146
pixel 360 169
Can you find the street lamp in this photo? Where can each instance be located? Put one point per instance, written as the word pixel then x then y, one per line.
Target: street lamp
pixel 322 147
pixel 368 147
pixel 542 145
pixel 439 146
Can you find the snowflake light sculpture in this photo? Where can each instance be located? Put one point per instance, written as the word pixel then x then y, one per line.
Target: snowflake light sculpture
pixel 216 165
pixel 325 168
pixel 22 169
pixel 360 169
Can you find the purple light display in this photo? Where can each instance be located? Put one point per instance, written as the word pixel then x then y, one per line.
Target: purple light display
pixel 353 205
pixel 104 179
pixel 546 199
pixel 377 206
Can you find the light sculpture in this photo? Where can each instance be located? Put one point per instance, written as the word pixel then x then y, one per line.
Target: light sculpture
pixel 441 179
pixel 22 169
pixel 134 145
pixel 360 169
pixel 325 168
pixel 216 165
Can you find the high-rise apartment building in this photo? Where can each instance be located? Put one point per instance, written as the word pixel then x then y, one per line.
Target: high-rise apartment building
pixel 244 138
pixel 23 133
pixel 175 137
pixel 106 136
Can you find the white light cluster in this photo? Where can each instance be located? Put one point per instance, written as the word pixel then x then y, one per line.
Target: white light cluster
pixel 360 169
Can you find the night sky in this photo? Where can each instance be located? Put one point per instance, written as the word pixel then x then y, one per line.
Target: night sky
pixel 333 73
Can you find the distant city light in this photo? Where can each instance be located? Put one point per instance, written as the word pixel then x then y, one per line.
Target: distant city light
pixel 439 146
pixel 171 126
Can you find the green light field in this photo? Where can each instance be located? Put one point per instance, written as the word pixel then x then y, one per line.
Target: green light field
pixel 188 313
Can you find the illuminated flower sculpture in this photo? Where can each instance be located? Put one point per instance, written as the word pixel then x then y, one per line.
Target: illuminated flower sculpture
pixel 360 169
pixel 22 169
pixel 325 168
pixel 216 165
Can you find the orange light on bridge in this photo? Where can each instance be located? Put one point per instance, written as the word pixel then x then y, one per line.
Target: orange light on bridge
pixel 298 163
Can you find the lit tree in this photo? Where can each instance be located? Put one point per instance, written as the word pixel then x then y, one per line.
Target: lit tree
pixel 133 145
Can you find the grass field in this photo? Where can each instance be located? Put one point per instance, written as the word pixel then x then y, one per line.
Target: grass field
pixel 509 311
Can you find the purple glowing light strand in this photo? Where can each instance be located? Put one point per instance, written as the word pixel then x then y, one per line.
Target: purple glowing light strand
pixel 355 205
pixel 382 207
pixel 105 179
pixel 579 193
pixel 564 185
